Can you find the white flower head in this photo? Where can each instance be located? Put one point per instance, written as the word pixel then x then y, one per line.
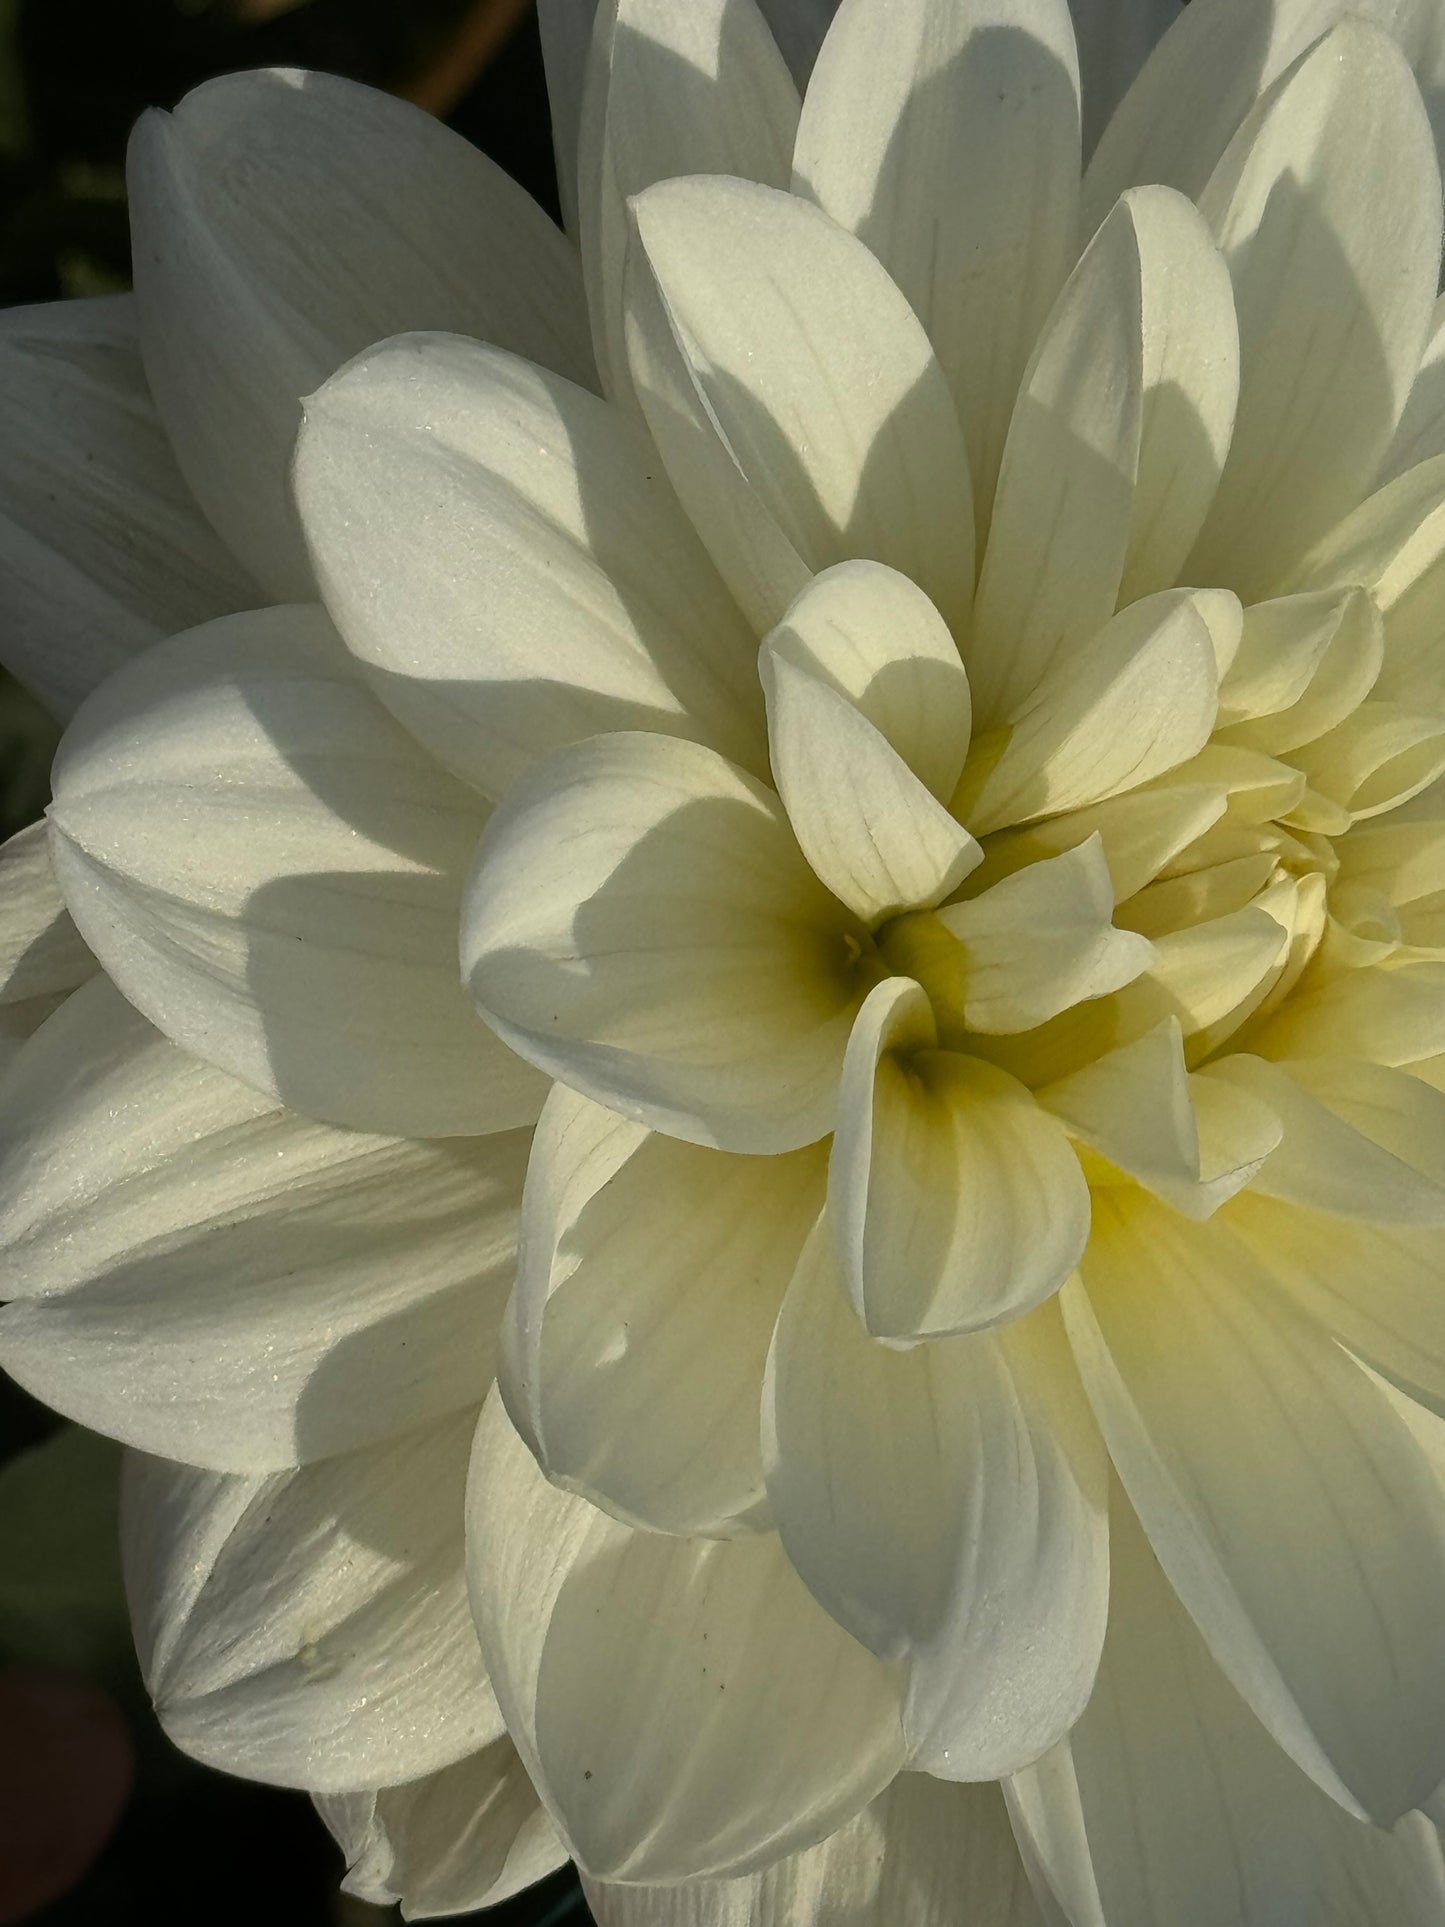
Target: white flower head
pixel 911 668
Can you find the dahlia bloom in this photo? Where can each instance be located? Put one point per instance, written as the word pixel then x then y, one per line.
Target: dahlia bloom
pixel 911 671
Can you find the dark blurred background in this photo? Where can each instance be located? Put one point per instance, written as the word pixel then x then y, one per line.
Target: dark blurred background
pixel 102 1822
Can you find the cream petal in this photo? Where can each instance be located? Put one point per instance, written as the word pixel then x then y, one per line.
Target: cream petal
pixel 1169 1802
pixel 1333 303
pixel 471 1835
pixel 1114 446
pixel 500 552
pixel 103 550
pixel 1127 704
pixel 270 869
pixel 642 924
pixel 946 1504
pixel 1394 1016
pixel 216 1280
pixel 1042 940
pixel 1360 1140
pixel 648 1285
pixel 1404 862
pixel 902 1863
pixel 281 223
pixel 1288 1505
pixel 799 27
pixel 1142 832
pixel 697 89
pixel 42 956
pixel 874 637
pixel 793 396
pixel 1188 1143
pixel 956 1201
pixel 873 833
pixel 1304 665
pixel 1376 759
pixel 565 28
pixel 311 1628
pixel 684 1706
pixel 908 98
pixel 1377 1287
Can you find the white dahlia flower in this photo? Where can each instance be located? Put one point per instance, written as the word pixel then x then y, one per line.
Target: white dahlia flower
pixel 944 659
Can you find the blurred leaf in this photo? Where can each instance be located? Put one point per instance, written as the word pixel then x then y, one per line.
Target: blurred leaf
pixel 61 1599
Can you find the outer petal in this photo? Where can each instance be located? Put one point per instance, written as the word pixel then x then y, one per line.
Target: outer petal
pixel 311 1628
pixel 209 1277
pixel 1114 447
pixel 1211 67
pixel 1333 304
pixel 946 1504
pixel 648 1286
pixel 468 1836
pixel 500 551
pixel 270 870
pixel 1169 1802
pixel 872 831
pixel 282 222
pixel 903 1862
pixel 102 549
pixel 1420 431
pixel 1115 38
pixel 684 1706
pixel 642 924
pixel 697 89
pixel 1288 1505
pixel 906 105
pixel 957 1203
pixel 793 396
pixel 42 956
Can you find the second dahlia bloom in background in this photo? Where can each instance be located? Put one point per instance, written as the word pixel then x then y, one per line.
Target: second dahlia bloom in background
pixel 942 657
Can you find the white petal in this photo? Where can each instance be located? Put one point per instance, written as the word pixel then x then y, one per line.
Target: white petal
pixel 102 549
pixel 499 549
pixel 1042 940
pixel 468 1836
pixel 1141 831
pixel 873 636
pixel 956 1201
pixel 566 32
pixel 794 397
pixel 311 1628
pixel 642 924
pixel 1289 1507
pixel 946 1504
pixel 270 869
pixel 42 955
pixel 798 27
pixel 1420 432
pixel 874 834
pixel 1135 699
pixel 648 1285
pixel 1333 303
pixel 214 1279
pixel 1211 67
pixel 1185 1811
pixel 907 104
pixel 903 1862
pixel 1115 38
pixel 283 222
pixel 697 89
pixel 1114 446
pixel 683 1704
